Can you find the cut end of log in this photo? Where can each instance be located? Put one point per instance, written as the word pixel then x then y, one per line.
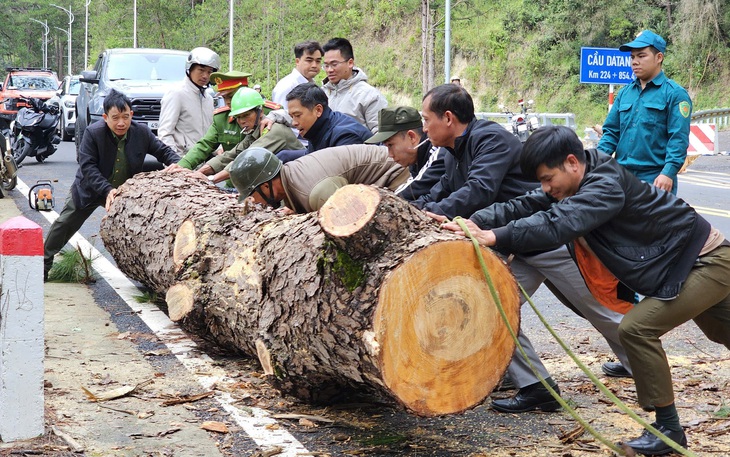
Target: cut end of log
pixel 349 209
pixel 264 358
pixel 185 243
pixel 443 344
pixel 180 301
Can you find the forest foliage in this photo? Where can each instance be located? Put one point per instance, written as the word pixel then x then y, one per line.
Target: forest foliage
pixel 503 50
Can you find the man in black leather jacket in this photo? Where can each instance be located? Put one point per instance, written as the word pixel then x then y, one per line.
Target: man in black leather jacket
pixel 111 152
pixel 482 167
pixel 651 241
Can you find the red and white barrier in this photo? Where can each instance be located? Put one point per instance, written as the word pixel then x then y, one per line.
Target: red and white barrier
pixel 702 139
pixel 21 330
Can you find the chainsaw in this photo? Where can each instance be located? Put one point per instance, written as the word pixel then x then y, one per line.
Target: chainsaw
pixel 40 196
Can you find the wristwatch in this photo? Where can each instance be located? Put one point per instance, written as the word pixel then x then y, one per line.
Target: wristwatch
pixel 211 179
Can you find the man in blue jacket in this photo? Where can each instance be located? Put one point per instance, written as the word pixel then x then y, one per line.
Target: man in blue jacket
pixel 111 152
pixel 648 126
pixel 317 123
pixel 671 255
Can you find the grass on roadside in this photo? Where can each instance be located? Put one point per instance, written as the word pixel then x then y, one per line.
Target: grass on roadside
pixel 72 266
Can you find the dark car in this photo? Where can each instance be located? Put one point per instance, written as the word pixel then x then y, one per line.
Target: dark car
pixel 144 75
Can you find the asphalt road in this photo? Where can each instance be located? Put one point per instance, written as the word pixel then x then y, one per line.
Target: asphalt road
pixel 366 428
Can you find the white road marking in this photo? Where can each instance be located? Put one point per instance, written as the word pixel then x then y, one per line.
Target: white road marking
pixel 254 421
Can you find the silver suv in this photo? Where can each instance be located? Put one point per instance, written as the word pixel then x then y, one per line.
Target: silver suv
pixel 144 75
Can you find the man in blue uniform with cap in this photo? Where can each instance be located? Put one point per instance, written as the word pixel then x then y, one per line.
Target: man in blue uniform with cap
pixel 648 126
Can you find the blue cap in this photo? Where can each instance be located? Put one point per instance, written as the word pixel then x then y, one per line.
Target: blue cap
pixel 644 39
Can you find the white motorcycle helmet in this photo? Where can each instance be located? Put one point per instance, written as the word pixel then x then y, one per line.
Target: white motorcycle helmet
pixel 203 56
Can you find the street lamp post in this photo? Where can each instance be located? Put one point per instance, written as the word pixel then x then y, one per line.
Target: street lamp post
pixel 70 21
pixel 44 48
pixel 230 35
pixel 86 37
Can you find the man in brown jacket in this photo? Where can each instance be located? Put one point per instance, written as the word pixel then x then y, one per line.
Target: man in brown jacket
pixel 306 183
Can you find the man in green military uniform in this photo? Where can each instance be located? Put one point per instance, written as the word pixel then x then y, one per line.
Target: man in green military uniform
pixel 224 132
pixel 247 107
pixel 648 126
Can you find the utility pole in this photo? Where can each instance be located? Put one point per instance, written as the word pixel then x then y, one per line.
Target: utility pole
pixel 44 47
pixel 447 42
pixel 135 24
pixel 230 35
pixel 86 37
pixel 70 21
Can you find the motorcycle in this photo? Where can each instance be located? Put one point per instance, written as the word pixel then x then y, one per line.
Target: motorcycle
pixel 524 122
pixel 34 130
pixel 8 168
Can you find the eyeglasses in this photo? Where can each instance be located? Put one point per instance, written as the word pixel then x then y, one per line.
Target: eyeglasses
pixel 332 64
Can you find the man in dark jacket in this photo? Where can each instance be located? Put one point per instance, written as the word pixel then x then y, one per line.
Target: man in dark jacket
pixel 671 255
pixel 318 124
pixel 400 129
pixel 482 167
pixel 111 152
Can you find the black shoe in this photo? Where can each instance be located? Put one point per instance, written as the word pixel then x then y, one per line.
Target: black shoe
pixel 615 370
pixel 535 396
pixel 648 444
pixel 506 384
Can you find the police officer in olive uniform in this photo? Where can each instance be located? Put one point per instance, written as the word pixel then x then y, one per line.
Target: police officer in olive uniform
pixel 224 132
pixel 247 108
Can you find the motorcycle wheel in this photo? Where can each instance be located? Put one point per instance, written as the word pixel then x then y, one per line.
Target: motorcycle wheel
pixel 20 150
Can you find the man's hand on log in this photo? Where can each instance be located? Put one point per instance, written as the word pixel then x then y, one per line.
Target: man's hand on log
pixel 110 198
pixel 483 237
pixel 174 168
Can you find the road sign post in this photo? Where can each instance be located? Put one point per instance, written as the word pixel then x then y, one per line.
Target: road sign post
pixel 605 66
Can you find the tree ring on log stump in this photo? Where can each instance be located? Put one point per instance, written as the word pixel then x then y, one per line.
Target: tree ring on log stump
pixel 443 344
pixel 346 217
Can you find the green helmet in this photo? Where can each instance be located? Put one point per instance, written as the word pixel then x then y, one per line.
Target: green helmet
pixel 253 167
pixel 244 100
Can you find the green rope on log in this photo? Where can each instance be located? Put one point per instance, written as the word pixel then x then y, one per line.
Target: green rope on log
pixel 615 400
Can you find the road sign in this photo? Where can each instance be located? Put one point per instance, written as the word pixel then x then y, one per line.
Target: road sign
pixel 605 66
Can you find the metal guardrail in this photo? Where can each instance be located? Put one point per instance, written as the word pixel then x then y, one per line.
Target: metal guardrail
pixel 718 116
pixel 567 119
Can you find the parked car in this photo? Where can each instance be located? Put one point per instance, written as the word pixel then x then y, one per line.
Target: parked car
pixel 67 101
pixel 144 75
pixel 40 83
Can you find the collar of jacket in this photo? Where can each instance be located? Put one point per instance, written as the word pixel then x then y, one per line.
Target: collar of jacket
pixel 658 80
pixel 113 136
pixel 344 84
pixel 461 140
pixel 200 89
pixel 318 126
pixel 423 151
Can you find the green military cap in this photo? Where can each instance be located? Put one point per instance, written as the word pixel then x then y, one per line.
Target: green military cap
pixel 394 120
pixel 230 80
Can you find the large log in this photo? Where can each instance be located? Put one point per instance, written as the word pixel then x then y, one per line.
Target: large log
pixel 368 294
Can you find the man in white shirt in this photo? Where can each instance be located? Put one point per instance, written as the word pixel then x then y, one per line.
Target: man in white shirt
pixel 308 58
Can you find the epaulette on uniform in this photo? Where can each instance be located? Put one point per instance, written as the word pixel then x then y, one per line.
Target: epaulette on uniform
pixel 268 104
pixel 222 109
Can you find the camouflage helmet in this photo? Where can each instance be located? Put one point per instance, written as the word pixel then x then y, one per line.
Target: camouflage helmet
pixel 245 99
pixel 253 167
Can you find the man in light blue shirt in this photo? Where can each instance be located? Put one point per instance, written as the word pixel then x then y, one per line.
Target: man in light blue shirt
pixel 648 126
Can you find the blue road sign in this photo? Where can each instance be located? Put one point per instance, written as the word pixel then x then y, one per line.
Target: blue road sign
pixel 605 66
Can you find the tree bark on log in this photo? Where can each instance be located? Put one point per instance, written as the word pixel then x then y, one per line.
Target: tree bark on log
pixel 369 293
